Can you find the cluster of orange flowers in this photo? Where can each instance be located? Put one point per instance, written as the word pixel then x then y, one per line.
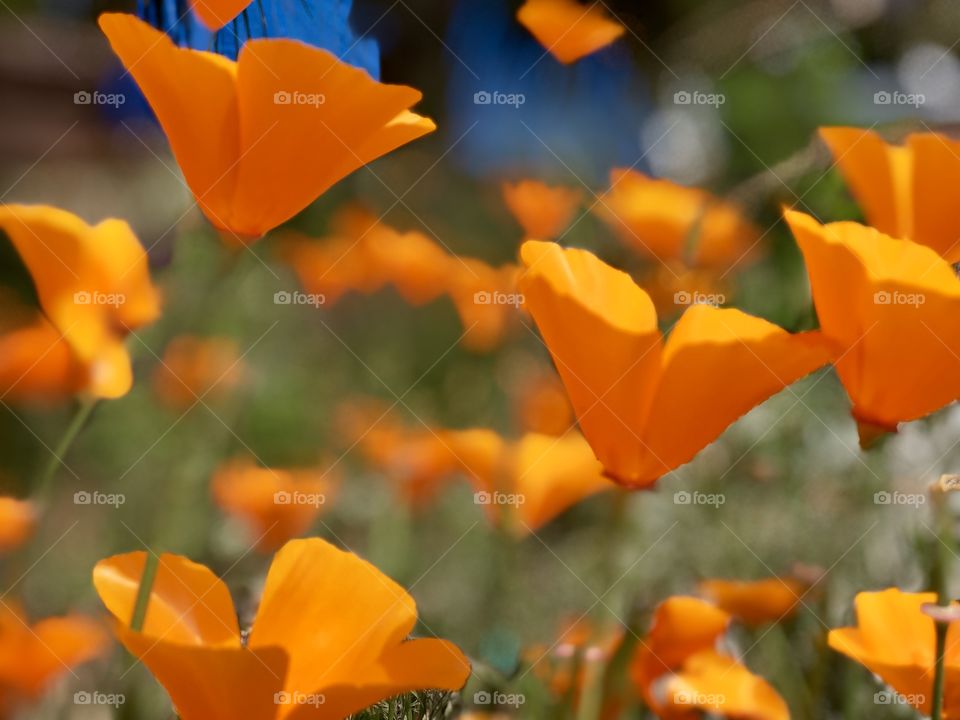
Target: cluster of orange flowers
pixel 331 630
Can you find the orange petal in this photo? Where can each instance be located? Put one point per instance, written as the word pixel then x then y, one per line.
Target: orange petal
pixel 217 13
pixel 543 211
pixel 573 295
pixel 195 369
pixel 344 625
pixel 717 365
pixel 18 519
pixel 756 602
pixel 890 305
pixel 37 364
pixel 567 29
pixel 936 171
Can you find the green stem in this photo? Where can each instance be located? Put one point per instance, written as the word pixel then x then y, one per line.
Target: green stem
pixel 940 580
pixel 143 592
pixel 80 417
pixel 936 712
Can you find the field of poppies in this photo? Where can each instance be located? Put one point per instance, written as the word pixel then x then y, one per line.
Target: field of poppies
pixel 479 359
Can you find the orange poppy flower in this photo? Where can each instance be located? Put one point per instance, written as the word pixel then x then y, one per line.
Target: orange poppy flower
pixel 195 369
pixel 647 406
pixel 487 301
pixel 673 287
pixel 18 519
pixel 890 306
pixel 34 655
pixel 528 482
pixel 542 404
pixel 36 363
pixel 329 638
pixel 905 191
pixel 663 220
pixel 895 640
pixel 567 29
pixel 217 13
pixel 276 504
pixel 261 138
pixel 756 602
pixel 543 211
pixel 93 283
pixel 680 673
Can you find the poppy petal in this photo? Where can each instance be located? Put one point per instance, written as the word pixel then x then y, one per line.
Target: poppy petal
pixel 567 29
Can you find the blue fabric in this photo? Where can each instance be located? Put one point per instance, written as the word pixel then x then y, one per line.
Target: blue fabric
pixel 583 118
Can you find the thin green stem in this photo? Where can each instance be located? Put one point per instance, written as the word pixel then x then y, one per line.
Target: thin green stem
pixel 936 712
pixel 143 592
pixel 49 470
pixel 940 579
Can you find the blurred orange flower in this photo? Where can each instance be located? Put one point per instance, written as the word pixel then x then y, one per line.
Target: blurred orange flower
pixel 542 404
pixel 647 406
pixel 543 211
pixel 567 29
pixel 261 138
pixel 756 602
pixel 663 220
pixel 276 504
pixel 329 637
pixel 679 672
pixel 895 640
pixel 890 305
pixel 93 283
pixel 905 191
pixel 34 655
pixel 673 287
pixel 18 520
pixel 195 368
pixel 37 364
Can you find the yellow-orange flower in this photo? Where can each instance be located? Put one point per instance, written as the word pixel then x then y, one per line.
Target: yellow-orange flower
pixel 329 638
pixel 276 504
pixel 647 406
pixel 756 602
pixel 895 640
pixel 93 282
pixel 34 655
pixel 567 29
pixel 679 672
pixel 542 404
pixel 194 369
pixel 905 191
pixel 663 220
pixel 261 138
pixel 37 364
pixel 18 519
pixel 543 211
pixel 891 306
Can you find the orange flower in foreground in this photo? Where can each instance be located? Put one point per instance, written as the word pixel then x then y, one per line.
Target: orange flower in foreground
pixel 679 672
pixel 18 519
pixel 891 306
pixel 93 282
pixel 567 29
pixel 329 637
pixel 895 640
pixel 36 363
pixel 195 369
pixel 217 13
pixel 261 138
pixel 33 656
pixel 660 219
pixel 276 504
pixel 647 406
pixel 543 211
pixel 756 602
pixel 906 191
